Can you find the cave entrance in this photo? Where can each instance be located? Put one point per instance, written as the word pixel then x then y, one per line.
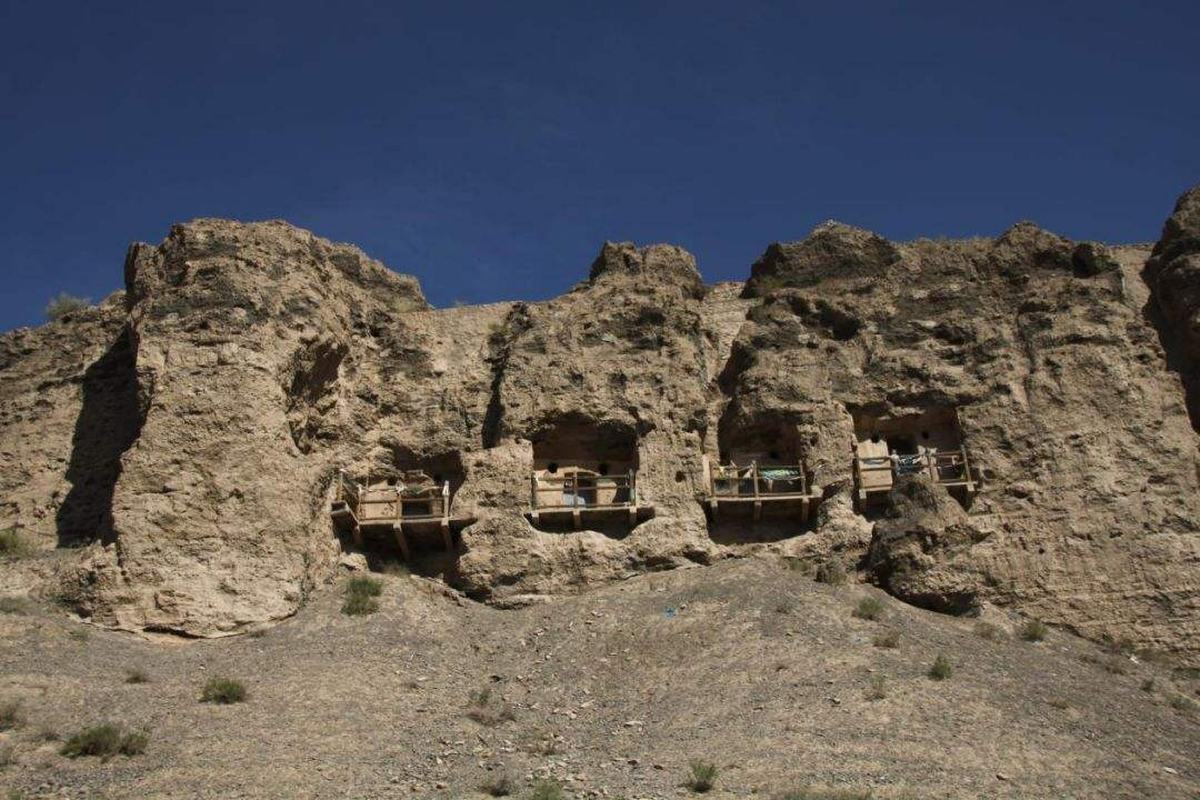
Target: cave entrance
pixel 929 442
pixel 410 497
pixel 760 474
pixel 585 470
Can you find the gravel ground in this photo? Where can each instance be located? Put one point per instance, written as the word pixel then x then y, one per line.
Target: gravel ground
pixel 745 664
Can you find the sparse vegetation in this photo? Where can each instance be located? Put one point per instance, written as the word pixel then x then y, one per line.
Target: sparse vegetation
pixel 825 794
pixel 986 630
pixel 63 304
pixel 362 592
pixel 1181 702
pixel 223 691
pixel 105 741
pixel 941 669
pixel 1034 631
pixel 137 675
pixel 498 786
pixel 546 790
pixel 869 608
pixel 14 605
pixel 831 572
pixel 889 639
pixel 878 688
pixel 702 776
pixel 14 545
pixel 1059 703
pixel 7 758
pixel 1115 665
pixel 1122 646
pixel 80 634
pixel 10 715
pixel 1149 685
pixel 488 709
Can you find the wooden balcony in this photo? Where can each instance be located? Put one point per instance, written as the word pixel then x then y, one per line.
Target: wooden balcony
pixel 577 494
pixel 414 507
pixel 875 475
pixel 783 487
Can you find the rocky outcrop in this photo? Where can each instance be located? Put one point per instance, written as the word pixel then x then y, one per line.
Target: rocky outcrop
pixel 189 433
pixel 920 552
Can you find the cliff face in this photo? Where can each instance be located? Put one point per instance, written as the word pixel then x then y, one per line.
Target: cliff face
pixel 190 432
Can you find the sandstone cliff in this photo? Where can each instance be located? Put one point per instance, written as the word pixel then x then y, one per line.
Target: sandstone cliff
pixel 178 446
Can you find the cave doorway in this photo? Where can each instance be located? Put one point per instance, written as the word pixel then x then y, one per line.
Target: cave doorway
pixel 759 487
pixel 926 442
pixel 585 471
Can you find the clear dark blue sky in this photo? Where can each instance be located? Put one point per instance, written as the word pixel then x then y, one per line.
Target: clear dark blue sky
pixel 489 148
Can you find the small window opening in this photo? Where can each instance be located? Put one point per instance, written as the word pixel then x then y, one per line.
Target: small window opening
pixel 552 467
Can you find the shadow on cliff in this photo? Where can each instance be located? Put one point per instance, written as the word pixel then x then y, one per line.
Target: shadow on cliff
pixel 109 422
pixel 1178 360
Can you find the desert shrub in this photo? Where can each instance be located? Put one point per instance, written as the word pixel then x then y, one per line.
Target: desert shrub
pixel 1115 665
pixel 137 675
pixel 1183 703
pixel 1059 703
pixel 361 594
pixel 1034 631
pixel 546 790
pixel 14 605
pixel 63 304
pixel 869 608
pixel 135 743
pixel 364 585
pixel 359 605
pixel 941 669
pixel 702 776
pixel 1149 685
pixel 1118 647
pixel 7 757
pixel 498 786
pixel 808 793
pixel 487 709
pixel 80 634
pixel 105 741
pixel 14 545
pixel 878 688
pixel 986 630
pixel 831 572
pixel 10 715
pixel 223 691
pixel 889 639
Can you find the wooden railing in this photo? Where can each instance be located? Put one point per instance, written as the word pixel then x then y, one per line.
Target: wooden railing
pixel 947 467
pixel 756 481
pixel 582 491
pixel 394 503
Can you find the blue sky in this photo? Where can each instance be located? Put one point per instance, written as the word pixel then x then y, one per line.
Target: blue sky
pixel 490 148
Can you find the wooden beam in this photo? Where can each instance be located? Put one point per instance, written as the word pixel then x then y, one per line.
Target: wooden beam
pixel 401 540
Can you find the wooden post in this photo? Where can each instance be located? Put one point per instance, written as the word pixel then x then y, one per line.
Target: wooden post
pixel 401 540
pixel 533 494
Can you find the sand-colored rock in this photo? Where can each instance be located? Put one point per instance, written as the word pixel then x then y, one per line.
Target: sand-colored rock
pixel 247 364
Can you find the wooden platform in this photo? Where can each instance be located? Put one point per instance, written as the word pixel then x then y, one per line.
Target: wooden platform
pixel 577 495
pixel 875 475
pixel 784 488
pixel 356 508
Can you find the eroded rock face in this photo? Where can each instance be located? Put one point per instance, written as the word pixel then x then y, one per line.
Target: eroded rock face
pixel 247 364
pixel 920 551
